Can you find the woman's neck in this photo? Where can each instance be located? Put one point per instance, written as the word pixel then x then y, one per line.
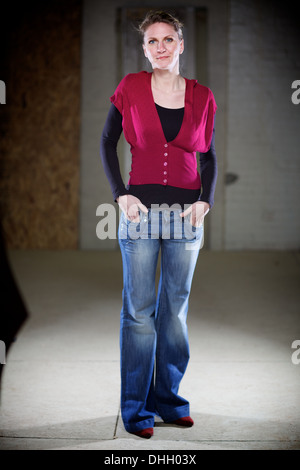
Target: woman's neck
pixel 168 90
pixel 167 82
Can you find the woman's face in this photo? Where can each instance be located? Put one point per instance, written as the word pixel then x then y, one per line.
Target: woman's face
pixel 162 46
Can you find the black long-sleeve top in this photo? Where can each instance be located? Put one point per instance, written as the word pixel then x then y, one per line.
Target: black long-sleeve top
pixel 171 120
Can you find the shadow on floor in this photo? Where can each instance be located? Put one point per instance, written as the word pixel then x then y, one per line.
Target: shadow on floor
pixel 216 430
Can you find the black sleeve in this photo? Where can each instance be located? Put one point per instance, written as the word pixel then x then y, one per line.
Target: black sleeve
pixel 108 150
pixel 209 173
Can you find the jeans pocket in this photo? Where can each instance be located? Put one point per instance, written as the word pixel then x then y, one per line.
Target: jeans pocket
pixel 133 230
pixel 191 231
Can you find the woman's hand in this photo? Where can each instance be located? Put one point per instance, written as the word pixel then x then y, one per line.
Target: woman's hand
pixel 130 205
pixel 198 211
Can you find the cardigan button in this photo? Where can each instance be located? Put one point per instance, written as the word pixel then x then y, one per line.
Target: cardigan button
pixel 165 181
pixel 165 164
pixel 165 172
pixel 166 145
pixel 165 154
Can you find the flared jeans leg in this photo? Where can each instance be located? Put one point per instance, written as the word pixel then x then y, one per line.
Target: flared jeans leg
pixel 172 353
pixel 137 334
pixel 153 336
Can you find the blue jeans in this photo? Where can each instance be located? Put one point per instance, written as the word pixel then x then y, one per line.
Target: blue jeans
pixel 154 337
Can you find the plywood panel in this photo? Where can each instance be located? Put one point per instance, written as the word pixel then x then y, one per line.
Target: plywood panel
pixel 39 178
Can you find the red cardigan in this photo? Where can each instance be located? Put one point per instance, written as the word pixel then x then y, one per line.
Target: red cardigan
pixel 154 160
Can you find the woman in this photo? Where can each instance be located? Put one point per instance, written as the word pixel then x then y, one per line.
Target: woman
pixel 166 119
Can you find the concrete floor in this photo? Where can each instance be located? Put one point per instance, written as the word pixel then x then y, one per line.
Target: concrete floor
pixel 61 382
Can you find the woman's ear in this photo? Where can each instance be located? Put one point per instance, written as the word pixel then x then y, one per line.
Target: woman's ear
pixel 181 46
pixel 145 52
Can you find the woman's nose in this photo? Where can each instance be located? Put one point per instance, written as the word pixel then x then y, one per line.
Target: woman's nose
pixel 160 46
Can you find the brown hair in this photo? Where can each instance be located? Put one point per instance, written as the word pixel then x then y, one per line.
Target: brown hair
pixel 160 16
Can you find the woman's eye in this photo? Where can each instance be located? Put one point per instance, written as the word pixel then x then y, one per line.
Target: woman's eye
pixel 151 41
pixel 169 39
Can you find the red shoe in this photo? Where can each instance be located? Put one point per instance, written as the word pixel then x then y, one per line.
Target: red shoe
pixel 185 421
pixel 145 433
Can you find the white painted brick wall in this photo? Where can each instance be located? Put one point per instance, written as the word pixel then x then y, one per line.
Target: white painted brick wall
pixel 263 146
